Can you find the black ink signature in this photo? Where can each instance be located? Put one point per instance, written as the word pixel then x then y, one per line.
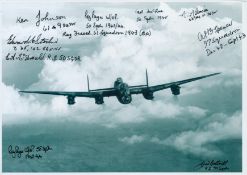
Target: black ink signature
pixel 217 38
pixel 212 30
pixel 197 13
pixel 90 16
pixel 32 40
pixel 15 152
pixel 29 152
pixel 213 165
pixel 47 18
pixel 42 56
pixel 21 20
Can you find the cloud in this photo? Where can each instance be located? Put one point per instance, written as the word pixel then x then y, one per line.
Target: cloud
pixel 19 108
pixel 60 76
pixel 198 141
pixel 16 104
pixel 196 111
pixel 133 139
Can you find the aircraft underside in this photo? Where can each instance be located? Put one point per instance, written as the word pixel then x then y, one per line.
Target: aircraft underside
pixel 122 90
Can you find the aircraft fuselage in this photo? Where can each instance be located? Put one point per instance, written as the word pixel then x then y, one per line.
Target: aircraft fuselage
pixel 123 92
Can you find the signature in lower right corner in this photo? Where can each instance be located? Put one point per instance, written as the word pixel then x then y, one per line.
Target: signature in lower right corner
pixel 213 165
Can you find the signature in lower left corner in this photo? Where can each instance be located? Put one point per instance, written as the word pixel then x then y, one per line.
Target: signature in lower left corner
pixel 28 152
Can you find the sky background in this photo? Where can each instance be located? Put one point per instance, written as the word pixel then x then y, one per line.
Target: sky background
pixel 160 135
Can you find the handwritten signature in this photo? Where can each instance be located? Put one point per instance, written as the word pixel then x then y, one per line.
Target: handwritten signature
pixel 218 37
pixel 213 165
pixel 197 13
pixel 29 152
pixel 32 39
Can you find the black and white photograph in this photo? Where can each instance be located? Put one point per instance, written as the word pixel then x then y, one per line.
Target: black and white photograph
pixel 123 86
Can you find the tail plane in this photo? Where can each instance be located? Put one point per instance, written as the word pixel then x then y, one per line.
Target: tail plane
pixel 88 84
pixel 147 77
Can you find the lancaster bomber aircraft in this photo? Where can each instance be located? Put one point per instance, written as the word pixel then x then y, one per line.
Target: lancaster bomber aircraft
pixel 122 90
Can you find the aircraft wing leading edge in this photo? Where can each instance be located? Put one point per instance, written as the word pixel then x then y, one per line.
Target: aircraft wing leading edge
pixel 155 88
pixel 104 93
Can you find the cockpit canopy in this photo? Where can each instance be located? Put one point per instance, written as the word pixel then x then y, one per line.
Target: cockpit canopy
pixel 118 81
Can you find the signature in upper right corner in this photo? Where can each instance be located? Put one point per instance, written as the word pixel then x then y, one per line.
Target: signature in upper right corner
pixel 213 165
pixel 197 13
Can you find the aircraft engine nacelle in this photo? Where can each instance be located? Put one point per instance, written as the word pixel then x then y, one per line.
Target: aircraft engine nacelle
pixel 149 95
pixel 99 100
pixel 175 89
pixel 71 100
pixel 125 99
